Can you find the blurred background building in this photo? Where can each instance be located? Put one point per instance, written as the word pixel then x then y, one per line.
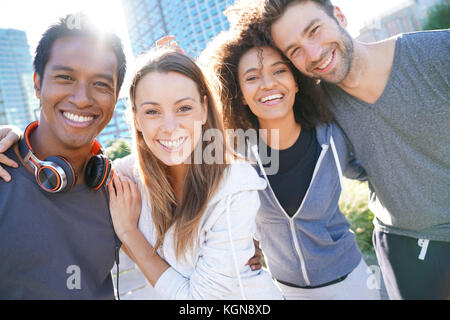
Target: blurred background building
pixel 17 100
pixel 193 22
pixel 408 16
pixel 117 128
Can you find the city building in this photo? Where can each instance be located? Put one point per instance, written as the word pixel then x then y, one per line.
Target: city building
pixel 18 103
pixel 118 127
pixel 193 22
pixel 408 16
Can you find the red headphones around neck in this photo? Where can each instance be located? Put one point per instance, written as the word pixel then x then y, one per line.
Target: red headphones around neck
pixel 56 174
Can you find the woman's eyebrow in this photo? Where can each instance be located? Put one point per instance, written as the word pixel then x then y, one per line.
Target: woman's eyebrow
pixel 277 63
pixel 149 102
pixel 185 98
pixel 250 70
pixel 176 102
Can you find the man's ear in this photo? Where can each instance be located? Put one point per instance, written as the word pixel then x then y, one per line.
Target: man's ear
pixel 37 85
pixel 340 17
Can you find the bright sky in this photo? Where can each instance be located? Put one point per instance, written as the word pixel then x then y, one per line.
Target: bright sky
pixel 360 11
pixel 35 16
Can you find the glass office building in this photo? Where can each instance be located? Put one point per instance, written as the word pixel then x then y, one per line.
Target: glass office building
pixel 193 22
pixel 118 127
pixel 18 103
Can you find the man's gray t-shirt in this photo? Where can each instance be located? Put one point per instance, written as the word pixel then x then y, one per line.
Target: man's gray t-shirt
pixel 54 246
pixel 403 140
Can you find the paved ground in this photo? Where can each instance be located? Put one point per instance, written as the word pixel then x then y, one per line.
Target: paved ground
pixel 132 283
pixel 134 286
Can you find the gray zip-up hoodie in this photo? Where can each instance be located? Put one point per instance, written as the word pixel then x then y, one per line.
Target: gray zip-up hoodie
pixel 315 245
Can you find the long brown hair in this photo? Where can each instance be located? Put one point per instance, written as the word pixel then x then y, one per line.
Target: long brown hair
pixel 201 180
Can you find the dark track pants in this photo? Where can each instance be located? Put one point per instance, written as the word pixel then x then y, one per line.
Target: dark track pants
pixel 408 277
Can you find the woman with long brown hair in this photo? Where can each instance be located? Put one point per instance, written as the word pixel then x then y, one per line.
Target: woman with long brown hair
pixel 192 233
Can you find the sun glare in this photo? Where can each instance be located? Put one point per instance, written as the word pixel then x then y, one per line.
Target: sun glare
pixel 104 20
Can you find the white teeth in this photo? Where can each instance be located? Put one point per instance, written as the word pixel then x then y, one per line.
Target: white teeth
pixel 324 65
pixel 172 144
pixel 272 97
pixel 77 118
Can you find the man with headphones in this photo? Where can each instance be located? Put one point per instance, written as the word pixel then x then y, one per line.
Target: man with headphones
pixel 56 235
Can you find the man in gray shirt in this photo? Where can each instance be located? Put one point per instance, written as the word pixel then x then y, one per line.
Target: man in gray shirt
pixel 56 235
pixel 392 100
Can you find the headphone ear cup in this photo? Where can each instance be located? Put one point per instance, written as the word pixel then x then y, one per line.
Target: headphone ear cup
pixel 69 170
pixel 97 171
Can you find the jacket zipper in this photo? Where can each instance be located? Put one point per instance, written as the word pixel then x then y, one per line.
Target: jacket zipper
pixel 291 219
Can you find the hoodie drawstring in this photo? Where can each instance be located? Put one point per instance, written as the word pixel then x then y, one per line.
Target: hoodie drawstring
pixel 233 251
pixel 338 165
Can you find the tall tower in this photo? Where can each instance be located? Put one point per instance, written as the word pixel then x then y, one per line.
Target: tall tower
pixel 193 22
pixel 18 105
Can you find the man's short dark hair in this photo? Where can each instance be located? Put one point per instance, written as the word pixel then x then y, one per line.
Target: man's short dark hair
pixel 274 9
pixel 78 25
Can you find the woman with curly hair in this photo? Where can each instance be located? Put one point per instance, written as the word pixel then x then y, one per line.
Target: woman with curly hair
pixel 307 242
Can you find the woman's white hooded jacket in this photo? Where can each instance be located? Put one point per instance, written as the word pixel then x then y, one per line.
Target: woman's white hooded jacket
pixel 216 268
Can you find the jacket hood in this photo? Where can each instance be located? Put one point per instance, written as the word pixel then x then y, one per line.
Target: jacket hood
pixel 324 132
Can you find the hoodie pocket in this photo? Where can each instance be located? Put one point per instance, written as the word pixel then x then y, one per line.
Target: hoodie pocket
pixel 338 226
pixel 278 247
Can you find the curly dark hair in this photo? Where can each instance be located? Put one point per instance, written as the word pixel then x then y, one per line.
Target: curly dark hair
pixel 223 55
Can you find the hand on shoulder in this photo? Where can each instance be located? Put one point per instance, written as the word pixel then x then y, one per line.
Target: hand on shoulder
pixel 8 136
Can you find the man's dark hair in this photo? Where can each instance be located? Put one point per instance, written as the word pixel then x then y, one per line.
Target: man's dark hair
pixel 274 9
pixel 78 25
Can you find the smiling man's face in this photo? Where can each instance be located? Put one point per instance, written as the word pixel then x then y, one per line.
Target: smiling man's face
pixel 317 44
pixel 78 91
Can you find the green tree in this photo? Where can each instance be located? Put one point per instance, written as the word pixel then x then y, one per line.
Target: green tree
pixel 438 16
pixel 117 149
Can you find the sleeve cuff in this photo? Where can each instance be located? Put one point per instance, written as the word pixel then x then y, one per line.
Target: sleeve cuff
pixel 170 284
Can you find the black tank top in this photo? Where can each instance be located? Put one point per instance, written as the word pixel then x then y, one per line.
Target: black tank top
pixel 296 167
